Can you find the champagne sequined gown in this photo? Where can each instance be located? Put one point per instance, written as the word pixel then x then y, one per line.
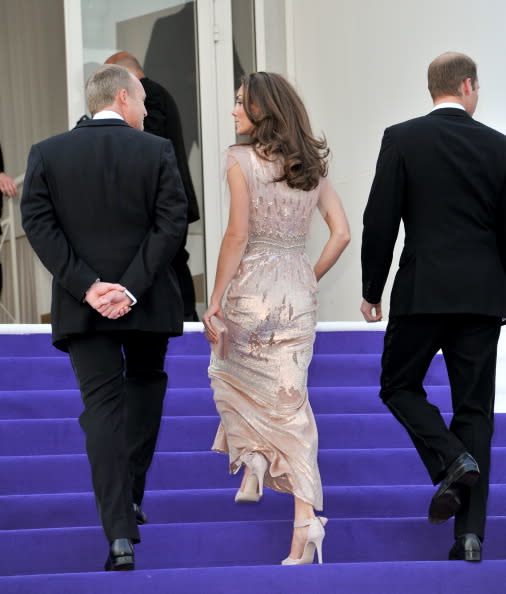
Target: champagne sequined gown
pixel 260 390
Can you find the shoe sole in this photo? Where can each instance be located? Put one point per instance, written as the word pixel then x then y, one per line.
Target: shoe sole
pixel 469 478
pixel 123 567
pixel 446 505
pixel 473 556
pixel 125 563
pixel 246 500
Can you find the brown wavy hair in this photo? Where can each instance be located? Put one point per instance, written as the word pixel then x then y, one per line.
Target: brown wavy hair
pixel 281 128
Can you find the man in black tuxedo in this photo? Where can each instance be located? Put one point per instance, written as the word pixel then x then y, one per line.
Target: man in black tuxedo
pixel 163 120
pixel 104 208
pixel 443 175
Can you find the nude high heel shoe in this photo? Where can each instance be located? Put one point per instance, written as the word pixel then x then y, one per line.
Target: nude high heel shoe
pixel 253 487
pixel 314 539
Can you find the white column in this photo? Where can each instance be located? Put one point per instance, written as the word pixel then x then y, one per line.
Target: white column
pixel 260 46
pixel 214 26
pixel 74 53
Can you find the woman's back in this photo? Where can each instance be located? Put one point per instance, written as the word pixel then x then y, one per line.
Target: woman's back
pixel 277 212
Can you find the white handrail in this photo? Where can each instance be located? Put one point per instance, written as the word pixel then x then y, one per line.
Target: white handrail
pixel 8 225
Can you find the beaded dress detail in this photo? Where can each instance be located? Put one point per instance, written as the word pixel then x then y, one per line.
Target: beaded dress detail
pixel 260 390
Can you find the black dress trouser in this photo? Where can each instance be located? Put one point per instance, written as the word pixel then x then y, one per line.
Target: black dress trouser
pixel 469 347
pixel 122 381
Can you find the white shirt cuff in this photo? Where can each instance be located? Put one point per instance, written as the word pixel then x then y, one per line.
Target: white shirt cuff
pixel 128 294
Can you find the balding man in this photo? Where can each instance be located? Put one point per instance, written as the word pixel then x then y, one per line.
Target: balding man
pixel 104 208
pixel 163 120
pixel 444 175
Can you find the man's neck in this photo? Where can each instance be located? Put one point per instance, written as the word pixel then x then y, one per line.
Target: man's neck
pixel 449 99
pixel 109 112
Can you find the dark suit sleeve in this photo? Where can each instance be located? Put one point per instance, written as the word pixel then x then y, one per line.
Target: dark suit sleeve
pixel 163 120
pixel 501 227
pixel 166 233
pixel 1 160
pixel 156 120
pixel 45 234
pixel 382 217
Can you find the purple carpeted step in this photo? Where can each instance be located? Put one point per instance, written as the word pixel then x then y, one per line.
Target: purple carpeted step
pixel 21 512
pixel 55 404
pixel 376 495
pixel 415 577
pixel 28 373
pixel 26 345
pixel 195 343
pixel 355 540
pixel 196 433
pixel 40 404
pixel 208 470
pixel 39 345
pixel 349 342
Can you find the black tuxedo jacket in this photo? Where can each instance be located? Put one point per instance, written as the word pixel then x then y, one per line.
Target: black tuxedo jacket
pixel 163 120
pixel 444 175
pixel 106 201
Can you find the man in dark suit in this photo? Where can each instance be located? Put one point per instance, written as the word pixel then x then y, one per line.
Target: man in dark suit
pixel 104 208
pixel 163 120
pixel 444 175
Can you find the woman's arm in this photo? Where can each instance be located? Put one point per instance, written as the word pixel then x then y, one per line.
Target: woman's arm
pixel 333 213
pixel 232 246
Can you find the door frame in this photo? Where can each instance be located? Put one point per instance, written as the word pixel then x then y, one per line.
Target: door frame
pixel 216 74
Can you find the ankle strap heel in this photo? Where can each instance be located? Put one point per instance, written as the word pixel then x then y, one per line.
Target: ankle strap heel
pixel 314 540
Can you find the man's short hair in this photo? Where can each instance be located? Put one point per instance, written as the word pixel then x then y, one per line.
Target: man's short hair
pixel 128 61
pixel 448 71
pixel 103 86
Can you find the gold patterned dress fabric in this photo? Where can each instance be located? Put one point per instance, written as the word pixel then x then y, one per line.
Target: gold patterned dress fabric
pixel 260 390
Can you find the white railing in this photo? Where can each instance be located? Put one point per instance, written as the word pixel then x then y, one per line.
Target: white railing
pixel 8 224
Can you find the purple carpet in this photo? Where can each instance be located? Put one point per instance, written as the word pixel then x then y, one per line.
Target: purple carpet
pixel 198 541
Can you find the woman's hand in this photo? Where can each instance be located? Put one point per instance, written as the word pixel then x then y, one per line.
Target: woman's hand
pixel 7 186
pixel 232 247
pixel 214 309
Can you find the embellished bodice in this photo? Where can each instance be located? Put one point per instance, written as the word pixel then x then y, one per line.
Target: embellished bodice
pixel 279 216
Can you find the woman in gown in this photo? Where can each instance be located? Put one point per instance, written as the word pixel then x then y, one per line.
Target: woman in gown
pixel 276 180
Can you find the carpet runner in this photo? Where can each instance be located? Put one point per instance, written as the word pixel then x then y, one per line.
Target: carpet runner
pixel 376 491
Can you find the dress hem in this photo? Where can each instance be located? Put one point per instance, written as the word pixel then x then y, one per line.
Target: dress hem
pixel 267 483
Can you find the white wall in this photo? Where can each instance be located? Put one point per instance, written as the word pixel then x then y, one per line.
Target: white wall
pixel 361 66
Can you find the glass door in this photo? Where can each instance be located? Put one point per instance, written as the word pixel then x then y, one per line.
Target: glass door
pixel 197 50
pixel 161 35
pixel 244 38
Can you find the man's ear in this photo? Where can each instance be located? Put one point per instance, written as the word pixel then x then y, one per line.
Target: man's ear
pixel 467 86
pixel 122 96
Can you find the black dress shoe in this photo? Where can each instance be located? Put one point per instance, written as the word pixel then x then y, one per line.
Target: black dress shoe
pixel 140 516
pixel 466 548
pixel 446 502
pixel 121 555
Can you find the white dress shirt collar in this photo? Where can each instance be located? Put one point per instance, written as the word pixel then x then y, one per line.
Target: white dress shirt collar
pixel 107 114
pixel 448 104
